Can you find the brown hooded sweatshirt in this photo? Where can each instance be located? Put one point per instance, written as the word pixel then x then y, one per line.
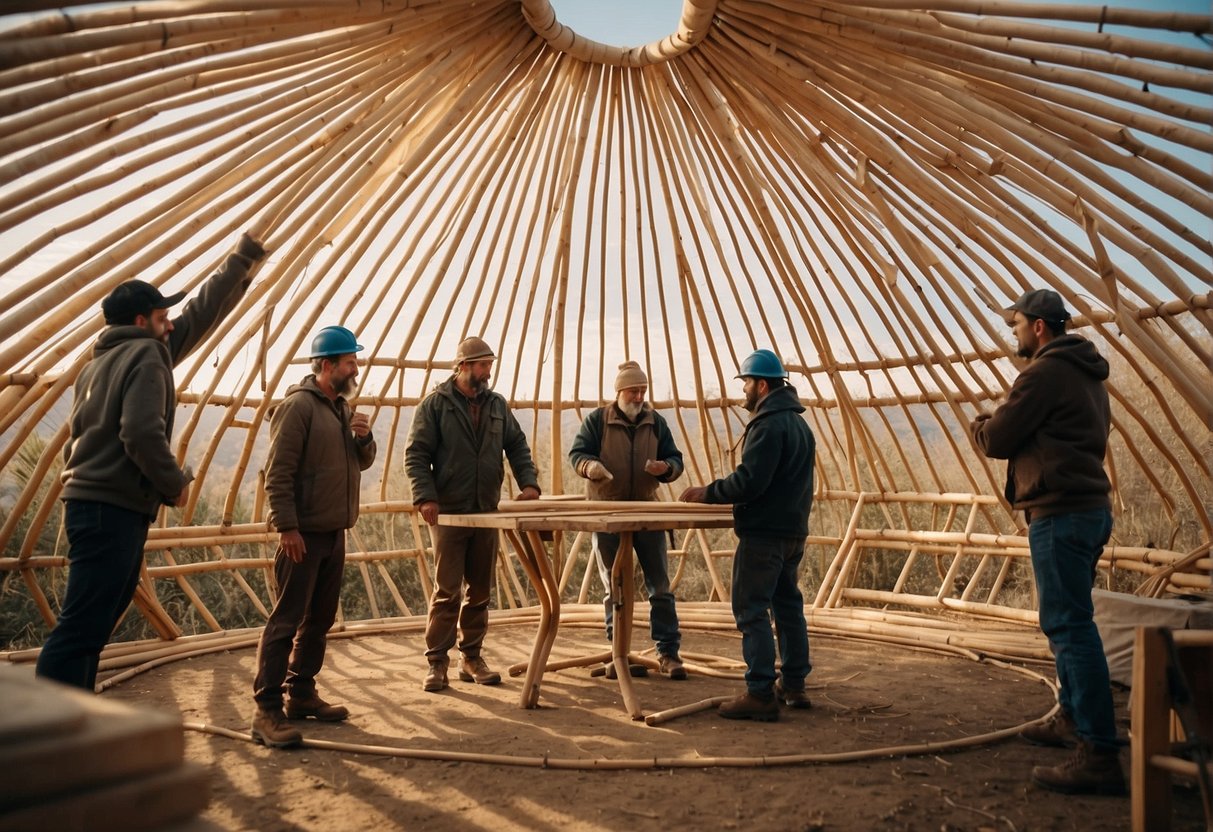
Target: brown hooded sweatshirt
pixel 1053 430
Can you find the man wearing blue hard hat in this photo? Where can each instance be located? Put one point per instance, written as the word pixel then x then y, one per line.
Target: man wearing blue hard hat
pixel 772 493
pixel 319 447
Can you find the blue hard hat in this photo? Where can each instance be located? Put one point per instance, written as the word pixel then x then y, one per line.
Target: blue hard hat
pixel 334 340
pixel 762 364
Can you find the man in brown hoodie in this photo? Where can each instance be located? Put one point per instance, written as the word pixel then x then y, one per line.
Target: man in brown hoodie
pixel 318 448
pixel 1053 432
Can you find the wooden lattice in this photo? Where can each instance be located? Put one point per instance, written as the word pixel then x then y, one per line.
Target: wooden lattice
pixel 861 186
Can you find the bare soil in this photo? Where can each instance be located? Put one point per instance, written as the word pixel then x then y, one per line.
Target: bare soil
pixel 866 696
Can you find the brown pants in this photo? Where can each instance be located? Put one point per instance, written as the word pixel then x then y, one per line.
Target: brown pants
pixel 292 646
pixel 464 557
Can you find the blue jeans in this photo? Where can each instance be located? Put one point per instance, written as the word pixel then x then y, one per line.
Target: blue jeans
pixel 652 552
pixel 1065 551
pixel 105 553
pixel 765 583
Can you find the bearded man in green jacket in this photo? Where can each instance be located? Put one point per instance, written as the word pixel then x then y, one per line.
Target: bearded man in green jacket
pixel 453 458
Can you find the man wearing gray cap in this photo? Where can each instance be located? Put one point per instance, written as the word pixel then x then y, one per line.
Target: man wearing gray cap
pixel 1053 431
pixel 453 459
pixel 119 466
pixel 626 450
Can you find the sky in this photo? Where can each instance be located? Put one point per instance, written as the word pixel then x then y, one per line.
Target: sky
pixel 637 22
pixel 620 22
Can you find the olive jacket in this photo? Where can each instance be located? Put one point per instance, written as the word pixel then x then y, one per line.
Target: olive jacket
pixel 461 468
pixel 121 420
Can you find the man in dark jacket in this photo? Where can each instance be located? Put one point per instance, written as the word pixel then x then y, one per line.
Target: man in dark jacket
pixel 454 463
pixel 119 465
pixel 1053 430
pixel 625 450
pixel 319 448
pixel 772 494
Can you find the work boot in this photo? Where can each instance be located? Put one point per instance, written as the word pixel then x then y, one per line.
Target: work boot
pixel 435 680
pixel 1057 732
pixel 750 706
pixel 475 669
pixel 671 666
pixel 271 728
pixel 1089 771
pixel 301 707
pixel 792 697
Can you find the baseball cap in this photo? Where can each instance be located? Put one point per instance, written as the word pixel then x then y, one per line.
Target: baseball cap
pixel 1041 303
pixel 135 297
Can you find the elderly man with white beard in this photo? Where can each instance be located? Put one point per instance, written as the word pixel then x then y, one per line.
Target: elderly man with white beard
pixel 625 450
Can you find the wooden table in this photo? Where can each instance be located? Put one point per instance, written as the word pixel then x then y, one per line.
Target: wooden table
pixel 524 523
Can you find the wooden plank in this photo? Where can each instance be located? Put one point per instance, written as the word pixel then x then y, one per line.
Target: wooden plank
pixel 139 805
pixel 1150 711
pixel 113 743
pixel 28 712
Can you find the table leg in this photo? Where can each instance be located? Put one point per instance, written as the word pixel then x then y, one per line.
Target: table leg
pixel 531 564
pixel 549 617
pixel 622 572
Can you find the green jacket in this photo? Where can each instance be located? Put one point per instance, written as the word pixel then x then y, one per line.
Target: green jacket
pixel 623 446
pixel 460 468
pixel 122 412
pixel 772 489
pixel 314 471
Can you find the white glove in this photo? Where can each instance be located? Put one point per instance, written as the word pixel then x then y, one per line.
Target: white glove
pixel 597 471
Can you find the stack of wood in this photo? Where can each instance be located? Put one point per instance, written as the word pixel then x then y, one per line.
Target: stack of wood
pixel 73 761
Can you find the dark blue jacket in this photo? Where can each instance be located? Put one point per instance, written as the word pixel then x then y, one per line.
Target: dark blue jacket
pixel 772 489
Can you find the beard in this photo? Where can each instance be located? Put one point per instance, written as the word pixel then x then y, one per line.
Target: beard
pixel 751 401
pixel 629 409
pixel 343 387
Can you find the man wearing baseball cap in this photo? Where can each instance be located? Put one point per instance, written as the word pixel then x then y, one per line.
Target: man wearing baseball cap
pixel 1053 431
pixel 119 466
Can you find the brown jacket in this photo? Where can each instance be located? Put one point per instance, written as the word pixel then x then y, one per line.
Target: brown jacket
pixel 314 471
pixel 622 446
pixel 1053 431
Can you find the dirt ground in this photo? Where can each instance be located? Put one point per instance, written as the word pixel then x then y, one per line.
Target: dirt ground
pixel 866 696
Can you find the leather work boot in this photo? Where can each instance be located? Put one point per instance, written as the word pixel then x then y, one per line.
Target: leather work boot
pixel 749 706
pixel 270 728
pixel 1057 732
pixel 435 680
pixel 792 697
pixel 671 666
pixel 475 669
pixel 315 707
pixel 1089 771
